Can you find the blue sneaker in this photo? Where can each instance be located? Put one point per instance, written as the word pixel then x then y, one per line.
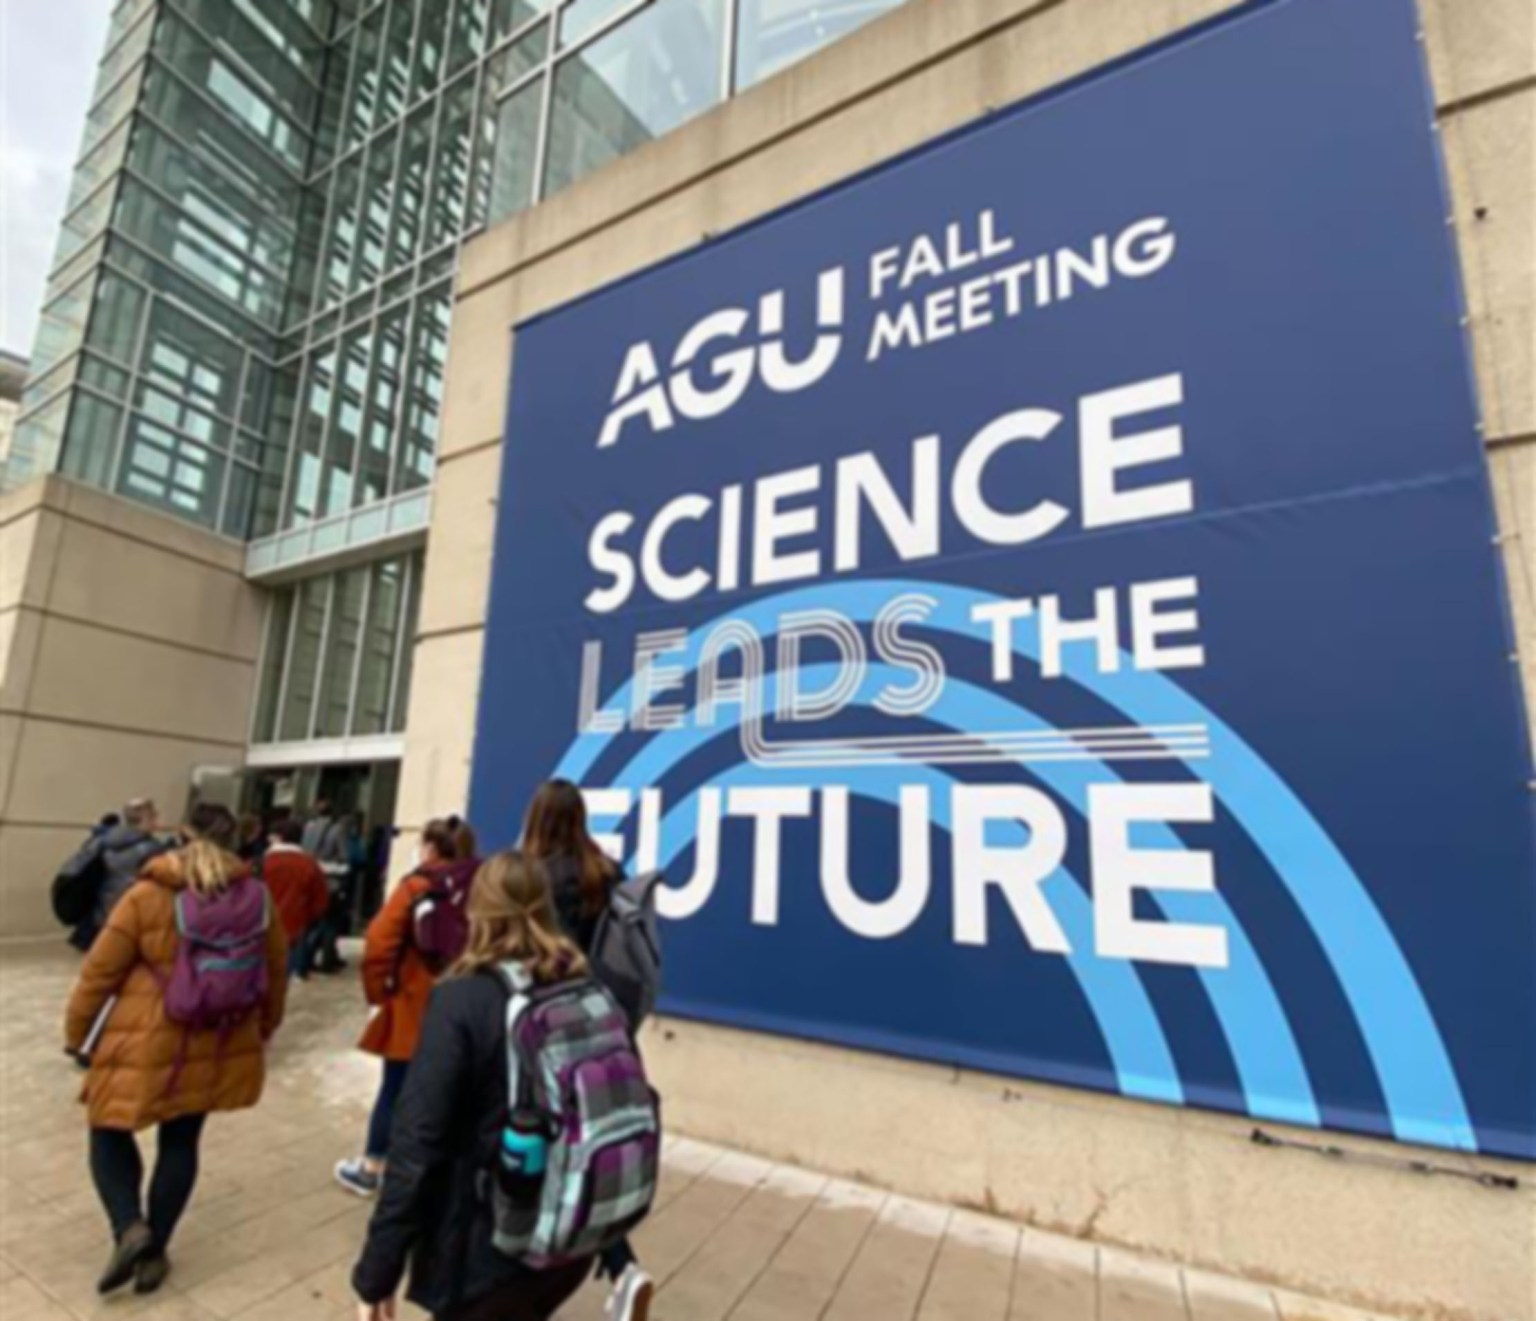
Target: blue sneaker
pixel 356 1177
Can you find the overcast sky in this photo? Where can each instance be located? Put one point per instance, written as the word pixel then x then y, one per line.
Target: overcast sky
pixel 49 50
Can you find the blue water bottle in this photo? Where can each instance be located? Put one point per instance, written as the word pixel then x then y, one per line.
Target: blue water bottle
pixel 524 1157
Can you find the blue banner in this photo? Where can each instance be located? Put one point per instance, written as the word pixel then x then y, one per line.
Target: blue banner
pixel 1038 602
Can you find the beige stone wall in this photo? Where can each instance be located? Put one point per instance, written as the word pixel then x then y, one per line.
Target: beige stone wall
pixel 128 646
pixel 1183 1183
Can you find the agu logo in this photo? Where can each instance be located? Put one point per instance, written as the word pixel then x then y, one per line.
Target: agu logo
pixel 712 366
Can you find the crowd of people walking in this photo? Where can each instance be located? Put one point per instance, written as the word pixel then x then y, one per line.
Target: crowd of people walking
pixel 513 1142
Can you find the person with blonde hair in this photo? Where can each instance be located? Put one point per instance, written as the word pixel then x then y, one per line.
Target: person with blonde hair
pixel 449 1123
pixel 190 975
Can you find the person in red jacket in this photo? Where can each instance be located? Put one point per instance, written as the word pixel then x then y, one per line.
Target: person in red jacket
pixel 300 892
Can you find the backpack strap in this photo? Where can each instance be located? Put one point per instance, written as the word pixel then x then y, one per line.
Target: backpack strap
pixel 518 984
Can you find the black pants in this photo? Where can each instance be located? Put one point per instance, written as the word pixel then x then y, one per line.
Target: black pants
pixel 118 1170
pixel 613 1262
pixel 536 1296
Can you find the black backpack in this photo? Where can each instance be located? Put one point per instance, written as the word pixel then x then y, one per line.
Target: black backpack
pixel 77 884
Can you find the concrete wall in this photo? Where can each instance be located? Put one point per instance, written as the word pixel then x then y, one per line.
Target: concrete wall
pixel 128 645
pixel 1186 1184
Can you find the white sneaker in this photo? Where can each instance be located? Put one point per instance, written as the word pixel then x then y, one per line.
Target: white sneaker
pixel 631 1296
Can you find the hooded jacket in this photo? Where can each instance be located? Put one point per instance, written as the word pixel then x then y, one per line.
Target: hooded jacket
pixel 133 1081
pixel 124 851
pixel 446 1133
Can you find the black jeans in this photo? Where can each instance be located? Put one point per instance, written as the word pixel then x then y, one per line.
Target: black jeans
pixel 613 1262
pixel 118 1170
pixel 535 1296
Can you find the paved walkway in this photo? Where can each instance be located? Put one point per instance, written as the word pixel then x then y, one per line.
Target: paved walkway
pixel 271 1238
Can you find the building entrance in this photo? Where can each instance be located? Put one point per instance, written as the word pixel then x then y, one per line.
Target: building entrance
pixel 365 791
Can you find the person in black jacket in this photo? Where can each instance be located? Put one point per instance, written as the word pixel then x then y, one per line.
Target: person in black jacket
pixel 582 878
pixel 122 845
pixel 449 1119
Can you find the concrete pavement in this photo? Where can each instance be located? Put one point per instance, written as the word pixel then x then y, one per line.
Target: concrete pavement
pixel 270 1237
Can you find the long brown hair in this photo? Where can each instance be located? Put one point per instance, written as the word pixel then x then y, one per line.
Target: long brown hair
pixel 556 827
pixel 512 918
pixel 208 861
pixel 443 835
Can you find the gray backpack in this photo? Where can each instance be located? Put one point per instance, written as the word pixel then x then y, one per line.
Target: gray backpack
pixel 626 952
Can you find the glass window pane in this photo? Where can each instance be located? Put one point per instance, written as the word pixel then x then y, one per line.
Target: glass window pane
pixel 395 77
pixel 303 499
pixel 110 380
pixel 239 502
pixel 424 391
pixel 115 320
pixel 773 34
pixel 643 79
pixel 450 186
pixel 341 653
pixel 343 236
pixel 264 728
pixel 584 16
pixel 163 468
pixel 333 101
pixel 190 361
pixel 510 15
pixel 378 193
pixel 380 633
pixel 517 148
pixel 198 243
pixel 412 186
pixel 429 49
pixel 466 33
pixel 365 78
pixel 304 661
pixel 484 161
pixel 223 142
pixel 346 426
pixel 90 443
pixel 521 57
pixel 375 463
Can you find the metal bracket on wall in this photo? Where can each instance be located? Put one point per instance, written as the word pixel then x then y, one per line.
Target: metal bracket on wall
pixel 1487 1179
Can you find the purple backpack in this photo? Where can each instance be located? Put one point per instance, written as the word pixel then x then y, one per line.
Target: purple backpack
pixel 439 922
pixel 220 975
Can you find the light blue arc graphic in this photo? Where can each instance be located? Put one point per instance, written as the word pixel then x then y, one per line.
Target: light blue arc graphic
pixel 1418 1082
pixel 1137 1046
pixel 1264 1050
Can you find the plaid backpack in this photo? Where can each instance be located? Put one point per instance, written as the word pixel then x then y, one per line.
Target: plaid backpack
pixel 571 1058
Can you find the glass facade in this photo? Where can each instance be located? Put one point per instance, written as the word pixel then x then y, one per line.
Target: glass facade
pixel 246 324
pixel 336 660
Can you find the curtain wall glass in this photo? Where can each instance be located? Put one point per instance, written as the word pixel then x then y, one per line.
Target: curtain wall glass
pixel 336 661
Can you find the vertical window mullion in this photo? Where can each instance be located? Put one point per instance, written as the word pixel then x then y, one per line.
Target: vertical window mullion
pixel 313 723
pixel 350 722
pixel 731 25
pixel 130 402
pixel 407 586
pixel 286 676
